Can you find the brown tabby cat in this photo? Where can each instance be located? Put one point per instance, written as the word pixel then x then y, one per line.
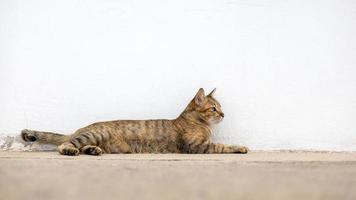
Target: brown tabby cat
pixel 189 133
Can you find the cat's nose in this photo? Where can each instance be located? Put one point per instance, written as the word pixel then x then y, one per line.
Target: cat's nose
pixel 222 114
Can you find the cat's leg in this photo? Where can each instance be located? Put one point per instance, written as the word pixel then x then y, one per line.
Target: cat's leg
pixel 220 148
pixel 86 139
pixel 97 143
pixel 92 150
pixel 68 149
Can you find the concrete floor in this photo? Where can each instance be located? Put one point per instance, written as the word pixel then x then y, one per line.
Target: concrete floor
pixel 258 175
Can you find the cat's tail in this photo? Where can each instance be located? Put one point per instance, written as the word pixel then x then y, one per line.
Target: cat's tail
pixel 43 137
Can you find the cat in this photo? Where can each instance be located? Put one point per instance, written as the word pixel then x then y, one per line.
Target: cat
pixel 189 133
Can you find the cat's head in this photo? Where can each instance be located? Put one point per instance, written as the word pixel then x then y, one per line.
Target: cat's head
pixel 206 108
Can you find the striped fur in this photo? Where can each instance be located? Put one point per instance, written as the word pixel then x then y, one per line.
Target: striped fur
pixel 189 133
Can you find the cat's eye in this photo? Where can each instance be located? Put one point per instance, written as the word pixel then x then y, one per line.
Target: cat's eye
pixel 213 109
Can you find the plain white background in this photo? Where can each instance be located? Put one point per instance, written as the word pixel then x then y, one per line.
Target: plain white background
pixel 285 71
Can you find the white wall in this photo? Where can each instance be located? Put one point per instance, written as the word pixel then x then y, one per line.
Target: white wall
pixel 285 70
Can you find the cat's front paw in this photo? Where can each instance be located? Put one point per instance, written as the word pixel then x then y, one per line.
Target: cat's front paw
pixel 241 149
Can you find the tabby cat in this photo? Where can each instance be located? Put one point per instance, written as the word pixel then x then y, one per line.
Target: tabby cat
pixel 189 133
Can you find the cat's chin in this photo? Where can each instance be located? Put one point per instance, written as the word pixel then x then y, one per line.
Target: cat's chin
pixel 216 121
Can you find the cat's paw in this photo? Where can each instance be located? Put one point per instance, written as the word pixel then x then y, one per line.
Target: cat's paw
pixel 241 149
pixel 70 152
pixel 92 150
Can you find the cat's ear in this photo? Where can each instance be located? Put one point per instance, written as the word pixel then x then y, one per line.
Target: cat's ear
pixel 211 94
pixel 199 97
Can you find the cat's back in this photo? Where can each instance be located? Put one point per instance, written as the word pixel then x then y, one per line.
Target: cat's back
pixel 126 127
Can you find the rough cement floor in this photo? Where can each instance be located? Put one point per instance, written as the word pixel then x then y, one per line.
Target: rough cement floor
pixel 258 175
